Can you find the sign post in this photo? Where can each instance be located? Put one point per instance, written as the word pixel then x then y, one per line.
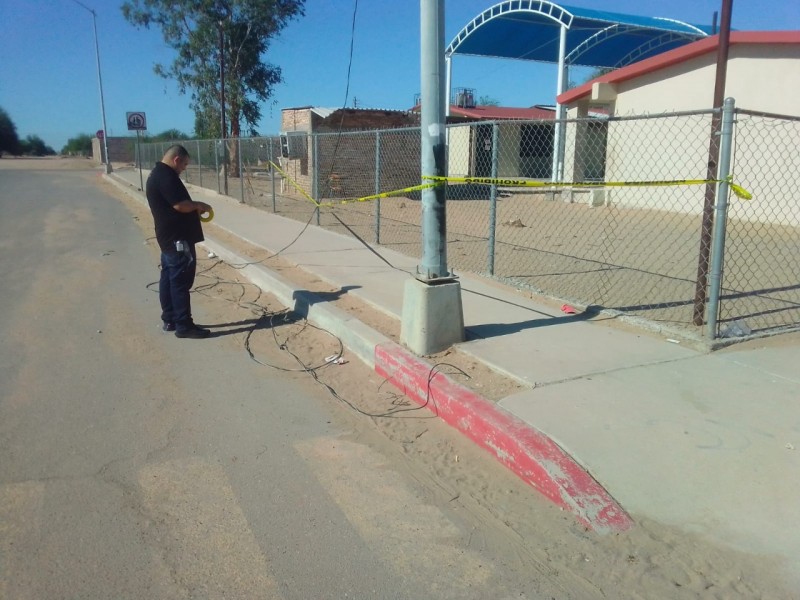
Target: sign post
pixel 137 121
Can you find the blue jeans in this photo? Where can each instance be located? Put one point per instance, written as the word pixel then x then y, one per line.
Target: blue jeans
pixel 177 278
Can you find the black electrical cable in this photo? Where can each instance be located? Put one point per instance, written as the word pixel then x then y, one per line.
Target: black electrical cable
pixel 399 401
pixel 346 91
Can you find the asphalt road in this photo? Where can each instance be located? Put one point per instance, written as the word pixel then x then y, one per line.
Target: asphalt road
pixel 137 465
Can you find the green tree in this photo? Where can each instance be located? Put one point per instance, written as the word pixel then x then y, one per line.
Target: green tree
pixel 488 101
pixel 206 121
pixel 80 145
pixel 9 141
pixel 33 145
pixel 193 27
pixel 170 135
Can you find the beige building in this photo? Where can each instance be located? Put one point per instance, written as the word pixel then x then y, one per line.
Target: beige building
pixel 763 74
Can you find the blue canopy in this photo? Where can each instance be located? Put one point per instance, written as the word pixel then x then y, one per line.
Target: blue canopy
pixel 531 29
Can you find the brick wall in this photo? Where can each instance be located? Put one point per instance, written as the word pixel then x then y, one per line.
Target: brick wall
pixel 348 161
pixel 120 149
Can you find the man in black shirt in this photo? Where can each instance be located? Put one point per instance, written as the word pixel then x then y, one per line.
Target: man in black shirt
pixel 178 229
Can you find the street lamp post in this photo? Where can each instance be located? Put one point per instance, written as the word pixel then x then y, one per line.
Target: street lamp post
pixel 100 83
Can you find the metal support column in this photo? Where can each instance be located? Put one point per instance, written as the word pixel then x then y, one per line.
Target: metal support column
pixel 448 65
pixel 433 317
pixel 558 159
pixel 434 228
pixel 720 220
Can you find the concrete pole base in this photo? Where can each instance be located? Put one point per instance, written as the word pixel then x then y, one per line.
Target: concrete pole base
pixel 433 317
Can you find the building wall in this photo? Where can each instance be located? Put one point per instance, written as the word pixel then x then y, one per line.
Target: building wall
pixel 120 150
pixel 347 160
pixel 296 119
pixel 508 139
pixel 458 150
pixel 462 149
pixel 759 77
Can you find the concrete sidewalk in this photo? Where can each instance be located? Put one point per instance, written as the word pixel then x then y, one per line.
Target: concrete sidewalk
pixel 706 442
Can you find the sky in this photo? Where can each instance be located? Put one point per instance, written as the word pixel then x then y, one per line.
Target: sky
pixel 49 84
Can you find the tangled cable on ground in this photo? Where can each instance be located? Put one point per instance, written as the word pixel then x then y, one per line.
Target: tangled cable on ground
pixel 400 404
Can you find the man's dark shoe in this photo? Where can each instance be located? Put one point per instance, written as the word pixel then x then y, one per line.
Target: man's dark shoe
pixel 167 326
pixel 194 332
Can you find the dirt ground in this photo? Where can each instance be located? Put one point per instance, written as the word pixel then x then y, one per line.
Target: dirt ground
pixel 650 561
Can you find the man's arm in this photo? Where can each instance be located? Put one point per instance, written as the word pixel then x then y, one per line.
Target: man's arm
pixel 188 206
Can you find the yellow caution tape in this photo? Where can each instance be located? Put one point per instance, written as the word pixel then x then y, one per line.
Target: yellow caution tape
pixel 736 189
pixel 414 188
pixel 210 215
pixel 293 183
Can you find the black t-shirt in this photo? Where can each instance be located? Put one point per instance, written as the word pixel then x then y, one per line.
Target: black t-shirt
pixel 164 189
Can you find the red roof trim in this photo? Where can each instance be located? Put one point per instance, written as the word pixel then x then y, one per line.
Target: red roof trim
pixel 677 56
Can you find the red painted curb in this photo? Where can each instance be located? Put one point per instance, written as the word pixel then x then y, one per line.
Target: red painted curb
pixel 528 452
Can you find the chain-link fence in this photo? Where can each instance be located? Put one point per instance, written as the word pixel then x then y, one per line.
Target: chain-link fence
pixel 631 248
pixel 761 283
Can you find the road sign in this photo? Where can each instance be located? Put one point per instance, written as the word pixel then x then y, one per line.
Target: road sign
pixel 100 134
pixel 136 121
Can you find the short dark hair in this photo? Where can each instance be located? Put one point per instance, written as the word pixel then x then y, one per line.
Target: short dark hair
pixel 176 150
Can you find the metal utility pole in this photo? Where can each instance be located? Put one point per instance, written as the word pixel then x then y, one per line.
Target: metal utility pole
pixel 222 107
pixel 100 83
pixel 433 317
pixel 434 147
pixel 713 156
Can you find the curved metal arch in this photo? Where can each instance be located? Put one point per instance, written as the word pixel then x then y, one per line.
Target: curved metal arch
pixel 598 38
pixel 650 45
pixel 677 22
pixel 542 7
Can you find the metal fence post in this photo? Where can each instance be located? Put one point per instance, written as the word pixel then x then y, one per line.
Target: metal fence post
pixel 315 178
pixel 720 220
pixel 493 199
pixel 241 169
pixel 216 166
pixel 272 172
pixel 378 187
pixel 139 160
pixel 186 173
pixel 199 164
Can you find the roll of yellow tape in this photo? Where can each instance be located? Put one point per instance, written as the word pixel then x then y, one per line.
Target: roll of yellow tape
pixel 208 217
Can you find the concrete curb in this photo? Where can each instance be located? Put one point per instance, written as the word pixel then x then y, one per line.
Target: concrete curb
pixel 524 450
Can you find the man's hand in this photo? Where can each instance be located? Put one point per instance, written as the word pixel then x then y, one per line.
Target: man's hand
pixel 202 207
